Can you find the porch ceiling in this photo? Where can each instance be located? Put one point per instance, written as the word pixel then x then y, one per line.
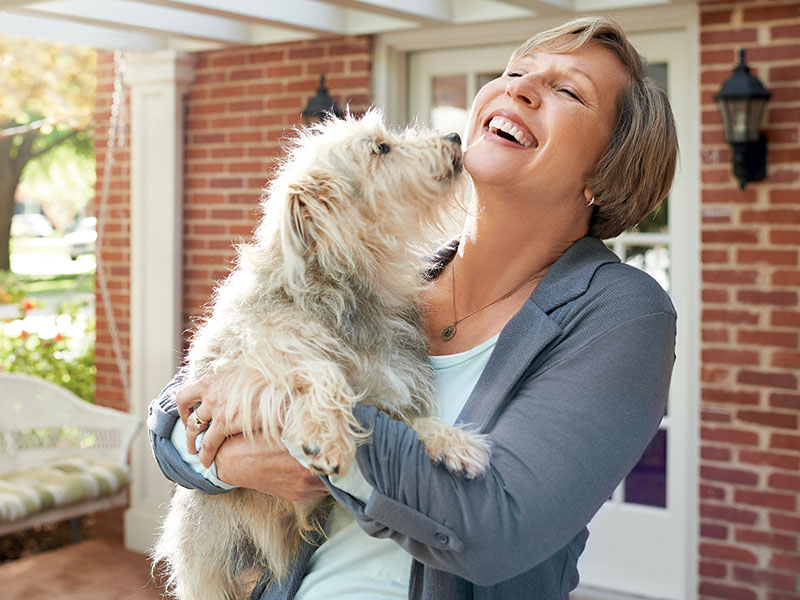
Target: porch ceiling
pixel 207 24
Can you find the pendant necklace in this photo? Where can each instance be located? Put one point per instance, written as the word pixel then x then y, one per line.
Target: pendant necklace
pixel 449 332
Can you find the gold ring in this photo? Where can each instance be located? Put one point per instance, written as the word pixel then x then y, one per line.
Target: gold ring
pixel 198 422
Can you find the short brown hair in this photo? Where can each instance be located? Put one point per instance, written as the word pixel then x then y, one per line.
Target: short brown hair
pixel 635 172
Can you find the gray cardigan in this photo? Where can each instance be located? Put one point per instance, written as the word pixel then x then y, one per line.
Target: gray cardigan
pixel 571 396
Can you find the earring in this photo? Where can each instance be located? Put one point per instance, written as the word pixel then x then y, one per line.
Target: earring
pixel 590 202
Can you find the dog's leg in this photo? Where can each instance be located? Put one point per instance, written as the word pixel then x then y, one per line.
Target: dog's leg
pixel 320 421
pixel 202 549
pixel 459 450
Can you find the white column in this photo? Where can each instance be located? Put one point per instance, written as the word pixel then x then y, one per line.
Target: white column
pixel 158 82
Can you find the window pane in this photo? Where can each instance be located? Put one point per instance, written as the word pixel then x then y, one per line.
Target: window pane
pixel 656 222
pixel 647 483
pixel 654 260
pixel 449 108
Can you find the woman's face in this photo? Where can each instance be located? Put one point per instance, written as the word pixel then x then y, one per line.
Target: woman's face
pixel 544 124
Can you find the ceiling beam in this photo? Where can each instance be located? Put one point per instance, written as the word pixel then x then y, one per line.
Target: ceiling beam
pixel 301 15
pixel 429 12
pixel 545 7
pixel 150 19
pixel 53 30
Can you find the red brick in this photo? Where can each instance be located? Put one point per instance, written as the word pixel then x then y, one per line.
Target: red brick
pixel 293 102
pixel 773 52
pixel 711 492
pixel 264 88
pixel 791 401
pixel 763 578
pixel 730 196
pixel 730 357
pixel 729 435
pixel 785 32
pixel 248 105
pixel 785 562
pixel 727 552
pixel 784 481
pixel 772 13
pixel 771 419
pixel 710 530
pixel 715 17
pixel 730 276
pixel 722 475
pixel 730 236
pixel 784 73
pixel 227 91
pixel 728 36
pixel 765 499
pixel 306 53
pixel 785 236
pixel 715 375
pixel 780 114
pixel 282 71
pixel 229 61
pixel 325 68
pixel 724 396
pixel 730 316
pixel 781 339
pixel 783 522
pixel 709 589
pixel 767 379
pixel 785 441
pixel 769 459
pixel 715 414
pixel 718 296
pixel 712 569
pixel 714 336
pixel 715 453
pixel 772 216
pixel 770 257
pixel 715 175
pixel 265 57
pixel 789 360
pixel 774 298
pixel 785 318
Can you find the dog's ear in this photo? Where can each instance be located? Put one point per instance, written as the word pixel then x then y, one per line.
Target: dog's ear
pixel 298 228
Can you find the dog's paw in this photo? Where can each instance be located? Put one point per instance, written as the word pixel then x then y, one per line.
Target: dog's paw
pixel 327 452
pixel 459 450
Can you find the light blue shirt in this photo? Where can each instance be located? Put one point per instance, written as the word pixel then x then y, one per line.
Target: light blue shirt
pixel 350 564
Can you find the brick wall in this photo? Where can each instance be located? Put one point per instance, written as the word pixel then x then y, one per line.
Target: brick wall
pixel 241 104
pixel 750 445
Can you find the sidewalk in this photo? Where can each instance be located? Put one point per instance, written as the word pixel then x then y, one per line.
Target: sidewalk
pixel 96 569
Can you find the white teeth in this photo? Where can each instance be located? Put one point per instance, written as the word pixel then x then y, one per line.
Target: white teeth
pixel 499 123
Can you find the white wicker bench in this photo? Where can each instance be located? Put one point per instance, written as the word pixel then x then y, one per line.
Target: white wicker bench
pixel 60 457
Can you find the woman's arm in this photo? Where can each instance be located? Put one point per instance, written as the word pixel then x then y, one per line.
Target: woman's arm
pixel 567 437
pixel 258 464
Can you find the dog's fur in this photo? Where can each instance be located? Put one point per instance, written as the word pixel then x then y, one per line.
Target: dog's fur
pixel 321 312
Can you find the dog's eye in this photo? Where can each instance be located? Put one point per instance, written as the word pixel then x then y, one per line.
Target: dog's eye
pixel 382 148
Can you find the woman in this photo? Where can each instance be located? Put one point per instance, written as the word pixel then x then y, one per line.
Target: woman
pixel 539 336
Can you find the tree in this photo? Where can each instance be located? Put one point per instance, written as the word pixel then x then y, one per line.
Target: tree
pixel 47 101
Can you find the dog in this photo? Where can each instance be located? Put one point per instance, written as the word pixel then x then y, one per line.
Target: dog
pixel 321 311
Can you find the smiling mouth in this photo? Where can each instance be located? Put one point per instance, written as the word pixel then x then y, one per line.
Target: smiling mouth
pixel 511 131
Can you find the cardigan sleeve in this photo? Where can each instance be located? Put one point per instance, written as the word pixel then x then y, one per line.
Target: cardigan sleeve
pixel 162 417
pixel 566 438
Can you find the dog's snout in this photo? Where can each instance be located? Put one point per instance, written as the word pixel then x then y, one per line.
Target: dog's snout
pixel 453 137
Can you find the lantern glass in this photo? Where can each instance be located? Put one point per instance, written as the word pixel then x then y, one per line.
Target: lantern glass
pixel 757 108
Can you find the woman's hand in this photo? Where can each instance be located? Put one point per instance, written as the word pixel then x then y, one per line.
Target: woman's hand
pixel 266 467
pixel 203 401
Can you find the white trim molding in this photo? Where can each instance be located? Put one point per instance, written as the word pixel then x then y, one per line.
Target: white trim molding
pixel 158 82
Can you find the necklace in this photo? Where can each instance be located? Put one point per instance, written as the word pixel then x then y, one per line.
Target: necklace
pixel 449 332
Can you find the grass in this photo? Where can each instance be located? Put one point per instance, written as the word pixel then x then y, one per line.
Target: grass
pixel 45 285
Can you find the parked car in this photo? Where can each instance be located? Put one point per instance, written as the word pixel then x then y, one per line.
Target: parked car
pixel 30 225
pixel 82 239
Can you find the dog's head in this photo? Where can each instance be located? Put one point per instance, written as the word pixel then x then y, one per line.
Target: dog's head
pixel 353 194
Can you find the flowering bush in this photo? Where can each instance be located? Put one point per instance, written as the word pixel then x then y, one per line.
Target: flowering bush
pixel 58 348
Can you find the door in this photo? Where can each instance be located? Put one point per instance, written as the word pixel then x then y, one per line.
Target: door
pixel 642 539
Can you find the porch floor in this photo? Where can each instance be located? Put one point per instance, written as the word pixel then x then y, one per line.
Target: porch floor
pixel 97 569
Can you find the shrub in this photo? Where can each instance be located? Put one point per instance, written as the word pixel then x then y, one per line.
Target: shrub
pixel 58 348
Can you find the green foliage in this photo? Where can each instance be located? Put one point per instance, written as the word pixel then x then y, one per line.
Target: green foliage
pixel 60 349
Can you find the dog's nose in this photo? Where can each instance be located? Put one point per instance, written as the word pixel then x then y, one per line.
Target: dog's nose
pixel 453 137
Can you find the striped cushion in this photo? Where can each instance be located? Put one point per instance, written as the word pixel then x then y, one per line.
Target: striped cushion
pixel 58 482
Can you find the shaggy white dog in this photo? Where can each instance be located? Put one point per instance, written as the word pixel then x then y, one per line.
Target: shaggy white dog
pixel 321 312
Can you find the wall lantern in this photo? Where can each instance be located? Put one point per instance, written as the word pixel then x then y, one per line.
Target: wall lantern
pixel 321 106
pixel 742 102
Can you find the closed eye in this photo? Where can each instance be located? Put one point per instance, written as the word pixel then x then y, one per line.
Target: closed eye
pixel 571 94
pixel 513 74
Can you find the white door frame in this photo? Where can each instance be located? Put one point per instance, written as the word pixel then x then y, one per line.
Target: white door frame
pixel 390 93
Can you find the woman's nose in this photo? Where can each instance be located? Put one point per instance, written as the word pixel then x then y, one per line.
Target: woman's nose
pixel 521 89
